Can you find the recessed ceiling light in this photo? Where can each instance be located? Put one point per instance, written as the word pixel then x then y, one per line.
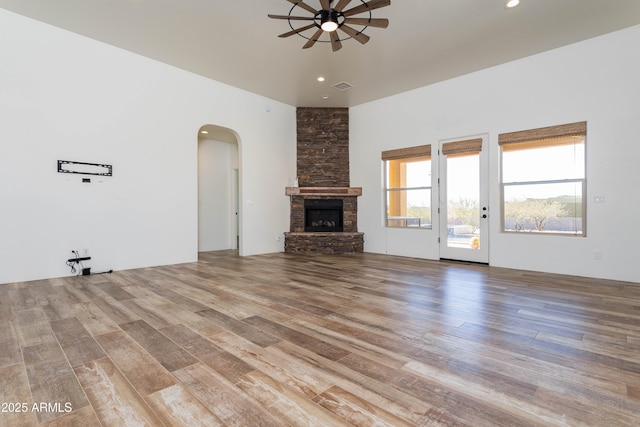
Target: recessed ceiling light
pixel 512 3
pixel 204 132
pixel 325 96
pixel 320 79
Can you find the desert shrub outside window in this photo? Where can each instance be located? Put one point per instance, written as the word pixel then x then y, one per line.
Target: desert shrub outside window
pixel 408 187
pixel 544 180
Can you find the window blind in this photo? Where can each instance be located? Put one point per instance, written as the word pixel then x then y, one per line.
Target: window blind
pixel 544 135
pixel 405 153
pixel 469 146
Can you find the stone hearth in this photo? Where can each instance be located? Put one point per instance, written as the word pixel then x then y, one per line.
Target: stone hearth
pixel 325 243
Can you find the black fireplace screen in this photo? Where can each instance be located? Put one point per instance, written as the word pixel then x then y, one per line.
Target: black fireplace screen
pixel 323 215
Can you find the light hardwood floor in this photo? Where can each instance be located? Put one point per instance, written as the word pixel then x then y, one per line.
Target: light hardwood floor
pixel 364 340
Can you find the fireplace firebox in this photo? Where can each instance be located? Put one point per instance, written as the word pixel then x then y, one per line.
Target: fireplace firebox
pixel 323 215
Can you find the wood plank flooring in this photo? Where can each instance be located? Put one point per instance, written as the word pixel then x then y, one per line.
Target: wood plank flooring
pixel 299 340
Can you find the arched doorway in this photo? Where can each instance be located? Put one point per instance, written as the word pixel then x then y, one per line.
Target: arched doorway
pixel 218 189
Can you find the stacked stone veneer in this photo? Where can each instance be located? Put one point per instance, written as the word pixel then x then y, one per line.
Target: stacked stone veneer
pixel 323 161
pixel 325 243
pixel 323 147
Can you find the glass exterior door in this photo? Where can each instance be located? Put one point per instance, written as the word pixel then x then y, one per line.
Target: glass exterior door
pixel 464 212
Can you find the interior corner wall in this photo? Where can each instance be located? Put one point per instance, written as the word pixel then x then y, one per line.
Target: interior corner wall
pixel 68 97
pixel 595 80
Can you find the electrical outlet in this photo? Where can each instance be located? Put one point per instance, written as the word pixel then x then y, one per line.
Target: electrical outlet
pixel 85 252
pixel 597 255
pixel 279 238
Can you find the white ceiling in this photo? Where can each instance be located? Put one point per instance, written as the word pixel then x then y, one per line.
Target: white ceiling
pixel 427 41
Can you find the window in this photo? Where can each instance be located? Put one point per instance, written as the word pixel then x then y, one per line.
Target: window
pixel 408 187
pixel 544 180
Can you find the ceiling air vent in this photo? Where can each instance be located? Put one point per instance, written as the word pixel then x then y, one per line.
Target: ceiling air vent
pixel 342 86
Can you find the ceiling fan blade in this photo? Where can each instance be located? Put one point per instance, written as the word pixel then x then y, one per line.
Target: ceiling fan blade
pixel 341 5
pixel 293 18
pixel 325 4
pixel 373 22
pixel 299 30
pixel 373 4
pixel 335 41
pixel 313 39
pixel 303 5
pixel 362 38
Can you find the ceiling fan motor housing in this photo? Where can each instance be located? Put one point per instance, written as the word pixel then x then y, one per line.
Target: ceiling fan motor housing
pixel 330 15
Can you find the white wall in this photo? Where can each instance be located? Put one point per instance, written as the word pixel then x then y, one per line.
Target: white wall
pixel 68 97
pixel 217 161
pixel 595 80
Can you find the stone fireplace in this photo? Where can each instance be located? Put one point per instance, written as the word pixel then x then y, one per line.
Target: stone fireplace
pixel 324 208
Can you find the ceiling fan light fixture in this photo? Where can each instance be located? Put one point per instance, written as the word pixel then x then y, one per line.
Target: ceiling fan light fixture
pixel 329 21
pixel 329 26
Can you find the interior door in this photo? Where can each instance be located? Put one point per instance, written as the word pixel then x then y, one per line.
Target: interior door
pixel 236 208
pixel 463 204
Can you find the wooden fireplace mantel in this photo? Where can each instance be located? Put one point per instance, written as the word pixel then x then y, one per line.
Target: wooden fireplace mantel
pixel 323 191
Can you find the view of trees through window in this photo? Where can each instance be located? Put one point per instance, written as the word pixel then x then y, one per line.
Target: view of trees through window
pixel 543 183
pixel 543 186
pixel 464 211
pixel 462 194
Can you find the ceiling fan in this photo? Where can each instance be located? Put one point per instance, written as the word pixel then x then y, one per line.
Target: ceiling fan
pixel 331 18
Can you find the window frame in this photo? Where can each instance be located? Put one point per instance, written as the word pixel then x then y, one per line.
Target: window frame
pixel 417 153
pixel 560 132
